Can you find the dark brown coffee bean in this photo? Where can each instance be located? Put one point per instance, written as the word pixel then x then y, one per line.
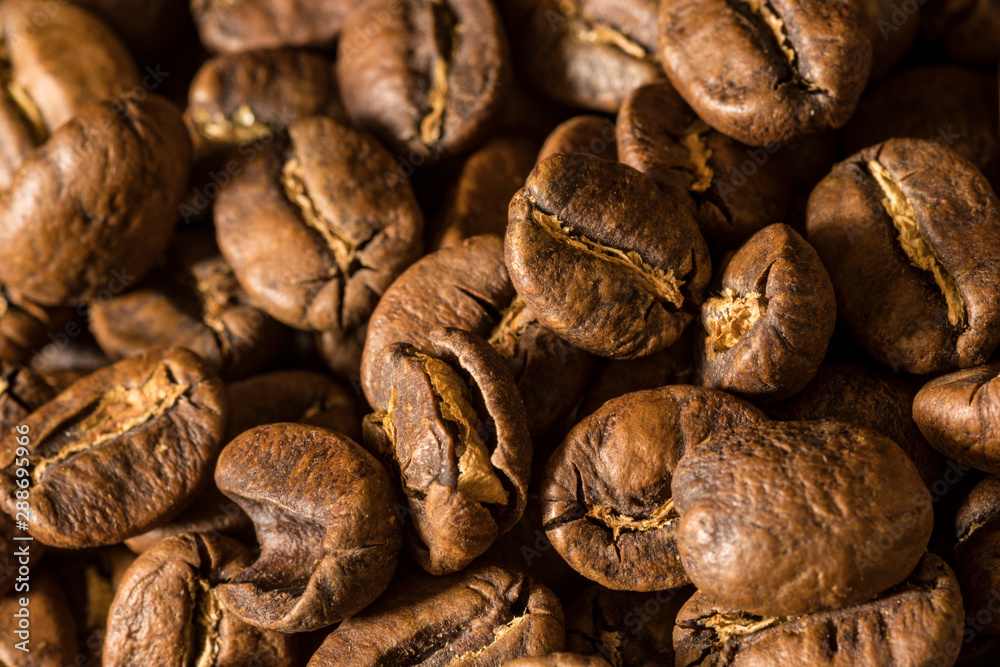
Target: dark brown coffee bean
pixel 477 201
pixel 585 53
pixel 705 170
pixel 918 622
pixel 604 258
pixel 952 106
pixel 955 412
pixel 767 70
pixel 195 302
pixel 110 180
pixel 119 451
pixel 767 332
pixel 167 610
pixel 593 135
pixel 428 80
pixel 873 399
pixel 970 29
pixel 293 396
pixel 328 534
pixel 893 30
pixel 606 490
pixel 52 633
pixel 261 24
pixel 977 529
pixel 467 287
pixel 317 228
pixel 485 615
pixel 607 623
pixel 237 99
pixel 453 426
pixel 788 518
pixel 25 327
pixel 22 391
pixel 56 62
pixel 892 225
pixel 559 660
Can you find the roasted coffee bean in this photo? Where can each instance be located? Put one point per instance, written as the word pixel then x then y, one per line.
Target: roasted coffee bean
pixel 788 518
pixel 293 396
pixel 51 633
pixel 970 29
pixel 25 328
pixel 477 201
pixel 892 37
pixel 954 107
pixel 892 225
pixel 467 287
pixel 634 629
pixel 585 53
pixel 559 660
pixel 239 99
pixel 765 71
pixel 452 424
pixel 322 510
pixel 705 170
pixel 604 258
pixel 484 615
pixel 873 399
pixel 428 81
pixel 110 180
pixel 64 363
pixel 167 610
pixel 261 24
pixel 195 302
pixel 919 622
pixel 22 391
pixel 977 529
pixel 119 451
pixel 955 412
pixel 210 513
pixel 768 330
pixel 605 492
pixel 316 229
pixel 593 135
pixel 52 67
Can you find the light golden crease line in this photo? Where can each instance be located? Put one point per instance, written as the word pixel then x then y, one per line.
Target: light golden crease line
pixel 344 249
pixel 660 517
pixel 204 646
pixel 241 127
pixel 118 412
pixel 498 634
pixel 438 94
pixel 916 247
pixel 477 478
pixel 729 626
pixel 693 140
pixel 777 26
pixel 663 284
pixel 591 32
pixel 514 321
pixel 729 316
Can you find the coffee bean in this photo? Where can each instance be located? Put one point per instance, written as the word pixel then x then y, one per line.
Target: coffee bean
pixel 625 628
pixel 428 80
pixel 603 258
pixel 46 83
pixel 453 426
pixel 167 610
pixel 919 622
pixel 789 518
pixel 316 229
pixel 605 492
pixel 873 399
pixel 322 510
pixel 767 70
pixel 193 301
pixel 51 632
pixel 111 180
pixel 485 615
pixel 977 529
pixel 243 25
pixel 467 287
pixel 25 327
pixel 892 225
pixel 731 189
pixel 593 135
pixel 767 331
pixel 119 451
pixel 585 53
pixel 559 660
pixel 22 391
pixel 970 29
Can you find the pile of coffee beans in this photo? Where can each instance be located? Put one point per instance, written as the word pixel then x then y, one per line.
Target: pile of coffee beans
pixel 539 333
